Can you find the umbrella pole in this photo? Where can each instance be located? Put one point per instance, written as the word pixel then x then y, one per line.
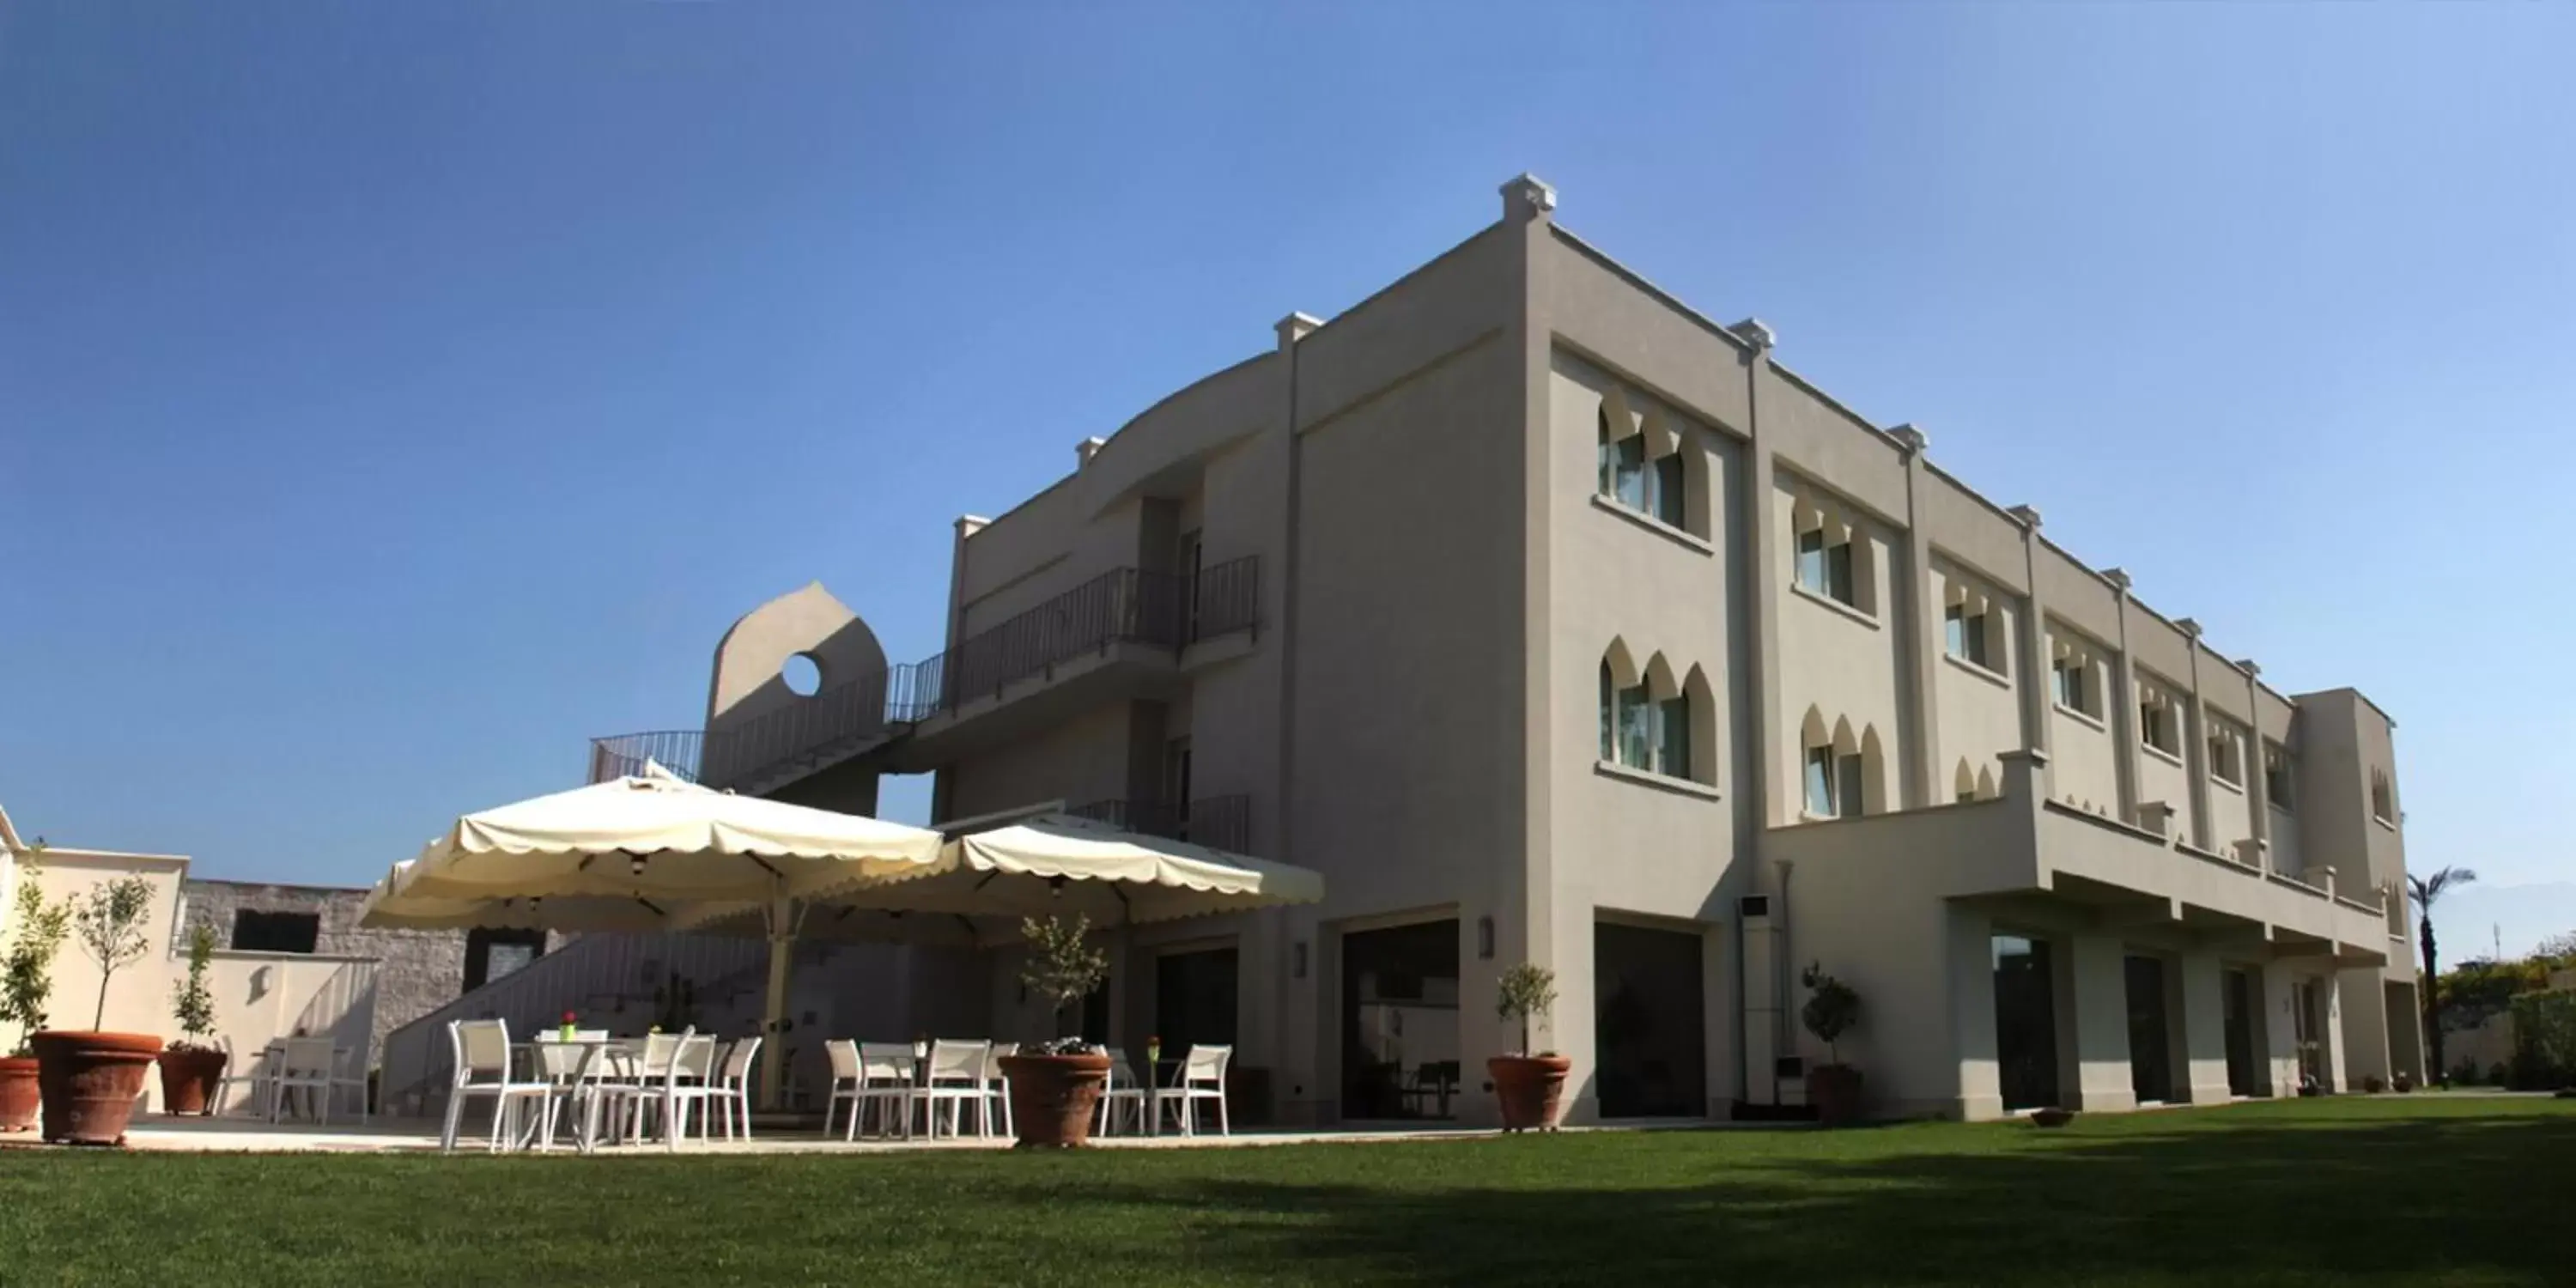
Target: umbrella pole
pixel 773 1023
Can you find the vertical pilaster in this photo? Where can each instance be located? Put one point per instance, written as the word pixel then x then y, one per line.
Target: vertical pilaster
pixel 1920 629
pixel 2364 1007
pixel 2038 685
pixel 2195 744
pixel 2258 785
pixel 2101 1079
pixel 1298 1022
pixel 2124 706
pixel 2203 998
pixel 1763 557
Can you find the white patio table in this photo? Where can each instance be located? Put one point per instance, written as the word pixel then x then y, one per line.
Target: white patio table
pixel 601 1060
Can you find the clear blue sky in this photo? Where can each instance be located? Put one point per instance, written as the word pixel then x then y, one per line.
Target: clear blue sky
pixel 392 398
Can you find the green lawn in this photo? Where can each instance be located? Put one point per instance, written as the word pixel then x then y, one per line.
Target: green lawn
pixel 2380 1190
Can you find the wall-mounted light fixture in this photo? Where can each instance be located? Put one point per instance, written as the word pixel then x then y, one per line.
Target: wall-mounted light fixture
pixel 1485 938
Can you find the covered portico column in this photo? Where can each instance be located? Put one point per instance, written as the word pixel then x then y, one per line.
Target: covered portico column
pixel 2364 1007
pixel 781 918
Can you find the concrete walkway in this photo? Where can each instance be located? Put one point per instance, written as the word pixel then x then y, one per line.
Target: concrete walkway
pixel 413 1135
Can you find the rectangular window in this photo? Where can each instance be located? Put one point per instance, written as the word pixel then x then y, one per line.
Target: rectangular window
pixel 1628 472
pixel 1672 729
pixel 1820 781
pixel 1636 728
pixel 2223 764
pixel 1811 560
pixel 276 932
pixel 2276 778
pixel 1668 489
pixel 1965 635
pixel 2156 727
pixel 1847 787
pixel 1826 567
pixel 2072 691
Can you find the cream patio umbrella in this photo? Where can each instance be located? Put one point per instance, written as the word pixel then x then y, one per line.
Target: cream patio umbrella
pixel 1055 863
pixel 649 851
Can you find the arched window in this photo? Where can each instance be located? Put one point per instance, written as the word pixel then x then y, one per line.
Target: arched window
pixel 1653 722
pixel 1671 720
pixel 1700 703
pixel 1627 712
pixel 1642 464
pixel 1844 770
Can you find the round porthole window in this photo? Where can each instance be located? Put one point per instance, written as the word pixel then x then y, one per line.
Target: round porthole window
pixel 802 675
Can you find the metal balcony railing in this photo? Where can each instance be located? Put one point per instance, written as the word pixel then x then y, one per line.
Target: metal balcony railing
pixel 1123 605
pixel 1218 822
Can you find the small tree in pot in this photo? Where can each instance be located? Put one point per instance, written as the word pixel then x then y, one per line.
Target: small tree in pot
pixel 1832 1010
pixel 1055 1085
pixel 193 1067
pixel 90 1080
pixel 26 984
pixel 1529 1086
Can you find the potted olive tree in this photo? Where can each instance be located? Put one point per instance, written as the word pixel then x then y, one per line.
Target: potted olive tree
pixel 1055 1085
pixel 1529 1084
pixel 26 984
pixel 89 1079
pixel 193 1067
pixel 1832 1010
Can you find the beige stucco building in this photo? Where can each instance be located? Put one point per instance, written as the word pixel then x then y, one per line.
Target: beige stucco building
pixel 1553 621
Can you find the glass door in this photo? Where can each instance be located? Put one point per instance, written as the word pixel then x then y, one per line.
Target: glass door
pixel 2237 992
pixel 1400 1022
pixel 2025 1022
pixel 2150 1040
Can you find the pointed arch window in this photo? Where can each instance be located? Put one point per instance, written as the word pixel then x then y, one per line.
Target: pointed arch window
pixel 1641 461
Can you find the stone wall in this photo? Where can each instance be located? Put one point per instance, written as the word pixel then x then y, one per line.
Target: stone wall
pixel 418 971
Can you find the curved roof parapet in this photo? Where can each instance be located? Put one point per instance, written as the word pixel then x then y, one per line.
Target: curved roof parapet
pixel 809 622
pixel 1185 427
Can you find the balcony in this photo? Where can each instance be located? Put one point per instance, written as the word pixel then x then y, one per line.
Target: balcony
pixel 1125 631
pixel 1218 822
pixel 2024 846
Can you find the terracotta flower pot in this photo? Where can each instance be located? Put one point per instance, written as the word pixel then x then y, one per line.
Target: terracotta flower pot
pixel 90 1082
pixel 1053 1097
pixel 1530 1089
pixel 18 1098
pixel 2052 1117
pixel 189 1077
pixel 1834 1089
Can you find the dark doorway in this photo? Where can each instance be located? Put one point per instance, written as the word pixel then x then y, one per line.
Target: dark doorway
pixel 2237 990
pixel 1400 1022
pixel 1194 1000
pixel 2025 1022
pixel 1647 1023
pixel 2150 1041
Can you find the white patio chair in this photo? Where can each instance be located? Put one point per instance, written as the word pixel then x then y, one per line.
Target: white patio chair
pixel 482 1062
pixel 560 1065
pixel 312 1065
pixel 651 1069
pixel 846 1082
pixel 1122 1090
pixel 955 1080
pixel 886 1084
pixel 670 1094
pixel 731 1086
pixel 1202 1078
pixel 997 1087
pixel 255 1076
